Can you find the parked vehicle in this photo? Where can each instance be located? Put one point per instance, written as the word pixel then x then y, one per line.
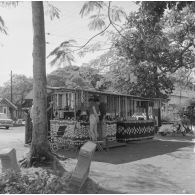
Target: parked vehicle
pixel 5 121
pixel 20 122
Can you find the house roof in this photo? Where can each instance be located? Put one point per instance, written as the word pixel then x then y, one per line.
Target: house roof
pixel 6 101
pixel 103 92
pixel 29 96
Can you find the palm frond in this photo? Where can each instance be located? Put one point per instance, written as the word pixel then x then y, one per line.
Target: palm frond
pixel 62 55
pixel 3 28
pixel 97 23
pixel 64 46
pixel 53 52
pixel 54 62
pixel 68 43
pixel 117 13
pixel 90 6
pixel 52 11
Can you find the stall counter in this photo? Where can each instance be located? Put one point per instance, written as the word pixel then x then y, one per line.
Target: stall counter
pixel 66 133
pixel 135 130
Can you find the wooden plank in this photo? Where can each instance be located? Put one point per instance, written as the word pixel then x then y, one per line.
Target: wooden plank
pixel 126 107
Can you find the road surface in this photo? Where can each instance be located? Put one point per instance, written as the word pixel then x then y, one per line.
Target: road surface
pixel 162 165
pixel 13 138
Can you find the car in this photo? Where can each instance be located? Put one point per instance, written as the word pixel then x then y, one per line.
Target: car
pixel 5 121
pixel 20 122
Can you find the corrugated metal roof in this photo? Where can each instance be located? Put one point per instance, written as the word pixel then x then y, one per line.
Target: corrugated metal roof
pixel 49 89
pixel 102 92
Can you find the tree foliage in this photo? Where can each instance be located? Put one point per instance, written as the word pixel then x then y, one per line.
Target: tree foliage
pixel 3 28
pixel 21 85
pixel 74 77
pixel 62 54
pixel 155 41
pixel 52 11
pixel 101 16
pixel 183 78
pixel 155 49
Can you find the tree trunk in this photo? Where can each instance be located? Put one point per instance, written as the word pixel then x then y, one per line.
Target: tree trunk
pixel 40 145
pixel 40 154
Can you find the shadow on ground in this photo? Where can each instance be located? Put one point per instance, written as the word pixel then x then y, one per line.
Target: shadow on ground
pixel 134 151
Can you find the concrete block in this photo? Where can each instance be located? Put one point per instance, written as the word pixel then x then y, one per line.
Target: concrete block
pixel 82 168
pixel 8 160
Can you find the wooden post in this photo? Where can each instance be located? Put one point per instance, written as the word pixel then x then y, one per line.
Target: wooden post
pixel 147 106
pixel 119 106
pixel 135 106
pixel 74 104
pixel 11 88
pixel 57 100
pixel 126 107
pixel 115 108
pixel 131 106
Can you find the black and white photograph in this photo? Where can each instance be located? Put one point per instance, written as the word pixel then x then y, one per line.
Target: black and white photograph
pixel 97 97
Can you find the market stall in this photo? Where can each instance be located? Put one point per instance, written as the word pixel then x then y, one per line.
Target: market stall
pixel 123 122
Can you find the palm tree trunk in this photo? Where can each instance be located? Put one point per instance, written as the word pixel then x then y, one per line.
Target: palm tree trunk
pixel 40 146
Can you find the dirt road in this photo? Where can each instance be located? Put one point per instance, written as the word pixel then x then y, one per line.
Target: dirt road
pixel 162 165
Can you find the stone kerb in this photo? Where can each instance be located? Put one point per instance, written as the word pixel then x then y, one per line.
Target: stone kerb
pixel 8 160
pixel 81 171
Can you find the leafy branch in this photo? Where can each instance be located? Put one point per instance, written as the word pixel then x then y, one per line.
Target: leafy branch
pixel 3 28
pixel 112 23
pixel 97 22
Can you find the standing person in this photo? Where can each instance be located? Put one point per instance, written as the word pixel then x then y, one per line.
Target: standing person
pixel 49 116
pixel 103 110
pixel 31 112
pixel 28 127
pixel 93 119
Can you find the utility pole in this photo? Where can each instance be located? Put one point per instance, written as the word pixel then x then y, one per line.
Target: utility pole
pixel 11 87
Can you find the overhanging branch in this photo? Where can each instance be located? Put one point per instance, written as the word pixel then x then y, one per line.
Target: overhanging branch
pixel 111 22
pixel 82 46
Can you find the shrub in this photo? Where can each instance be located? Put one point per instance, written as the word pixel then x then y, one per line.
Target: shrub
pixel 41 182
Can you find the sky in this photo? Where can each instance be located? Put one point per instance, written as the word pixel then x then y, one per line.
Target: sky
pixel 16 47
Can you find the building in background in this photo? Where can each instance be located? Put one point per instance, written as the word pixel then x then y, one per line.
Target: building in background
pixel 8 108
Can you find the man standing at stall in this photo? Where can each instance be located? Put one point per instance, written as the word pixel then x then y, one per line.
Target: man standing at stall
pixel 49 115
pixel 93 118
